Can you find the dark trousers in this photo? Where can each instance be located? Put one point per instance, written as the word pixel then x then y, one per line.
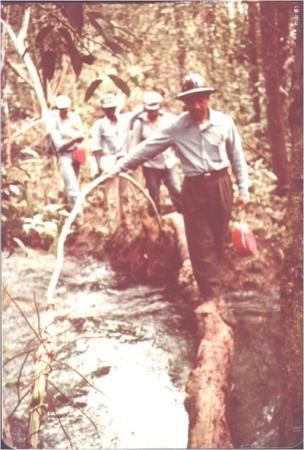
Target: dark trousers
pixel 154 178
pixel 207 204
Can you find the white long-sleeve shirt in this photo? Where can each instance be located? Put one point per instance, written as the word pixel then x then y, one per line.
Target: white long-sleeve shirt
pixel 214 145
pixel 143 129
pixel 110 137
pixel 63 130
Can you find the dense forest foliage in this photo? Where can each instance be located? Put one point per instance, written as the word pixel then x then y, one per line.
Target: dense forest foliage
pixel 251 52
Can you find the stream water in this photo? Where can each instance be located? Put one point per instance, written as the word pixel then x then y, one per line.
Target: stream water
pixel 124 356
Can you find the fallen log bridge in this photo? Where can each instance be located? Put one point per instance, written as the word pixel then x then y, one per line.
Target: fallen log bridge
pixel 208 384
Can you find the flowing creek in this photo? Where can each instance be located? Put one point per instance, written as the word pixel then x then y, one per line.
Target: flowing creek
pixel 134 347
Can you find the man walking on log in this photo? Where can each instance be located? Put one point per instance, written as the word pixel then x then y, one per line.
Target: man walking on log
pixel 207 143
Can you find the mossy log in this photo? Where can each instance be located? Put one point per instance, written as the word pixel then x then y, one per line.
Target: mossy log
pixel 209 382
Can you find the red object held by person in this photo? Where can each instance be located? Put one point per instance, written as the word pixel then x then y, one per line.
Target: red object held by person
pixel 243 240
pixel 79 156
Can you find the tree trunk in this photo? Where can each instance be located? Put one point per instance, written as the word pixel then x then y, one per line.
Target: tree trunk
pixel 275 120
pixel 208 384
pixel 181 42
pixel 291 414
pixel 283 22
pixel 5 124
pixel 19 43
pixel 253 59
pixel 284 14
pixel 34 79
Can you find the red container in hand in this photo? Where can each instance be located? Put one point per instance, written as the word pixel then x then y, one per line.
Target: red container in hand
pixel 79 156
pixel 243 240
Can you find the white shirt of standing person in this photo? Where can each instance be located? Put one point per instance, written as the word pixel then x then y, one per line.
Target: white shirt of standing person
pixel 62 130
pixel 143 129
pixel 111 139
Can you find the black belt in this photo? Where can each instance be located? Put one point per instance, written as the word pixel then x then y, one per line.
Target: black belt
pixel 209 175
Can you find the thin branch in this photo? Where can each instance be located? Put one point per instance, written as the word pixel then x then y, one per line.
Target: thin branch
pixel 18 355
pixel 38 316
pixel 31 350
pixel 16 166
pixel 26 80
pixel 35 377
pixel 142 190
pixel 19 402
pixel 64 233
pixel 65 330
pixel 23 314
pixel 67 225
pixel 75 406
pixel 61 426
pixel 40 339
pixel 32 70
pixel 79 374
pixel 77 339
pixel 20 375
pixel 26 128
pixel 25 24
pixel 10 32
pixel 4 39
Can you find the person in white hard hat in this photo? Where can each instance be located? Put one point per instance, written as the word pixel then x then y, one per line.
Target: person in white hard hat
pixel 108 133
pixel 66 132
pixel 109 142
pixel 207 143
pixel 162 167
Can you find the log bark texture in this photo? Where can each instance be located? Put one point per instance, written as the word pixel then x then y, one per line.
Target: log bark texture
pixel 208 385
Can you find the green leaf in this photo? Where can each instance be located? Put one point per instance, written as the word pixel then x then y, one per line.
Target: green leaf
pixel 43 33
pixel 121 84
pixel 114 46
pixel 106 30
pixel 75 60
pixel 125 30
pixel 74 54
pixel 88 59
pixel 48 60
pixel 74 14
pixel 91 89
pixel 100 24
pixel 124 42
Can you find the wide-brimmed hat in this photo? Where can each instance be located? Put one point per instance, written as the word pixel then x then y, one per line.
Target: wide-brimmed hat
pixel 109 101
pixel 152 100
pixel 62 102
pixel 194 84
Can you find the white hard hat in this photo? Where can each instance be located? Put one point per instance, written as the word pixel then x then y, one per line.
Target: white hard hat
pixel 152 100
pixel 109 101
pixel 194 84
pixel 62 102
